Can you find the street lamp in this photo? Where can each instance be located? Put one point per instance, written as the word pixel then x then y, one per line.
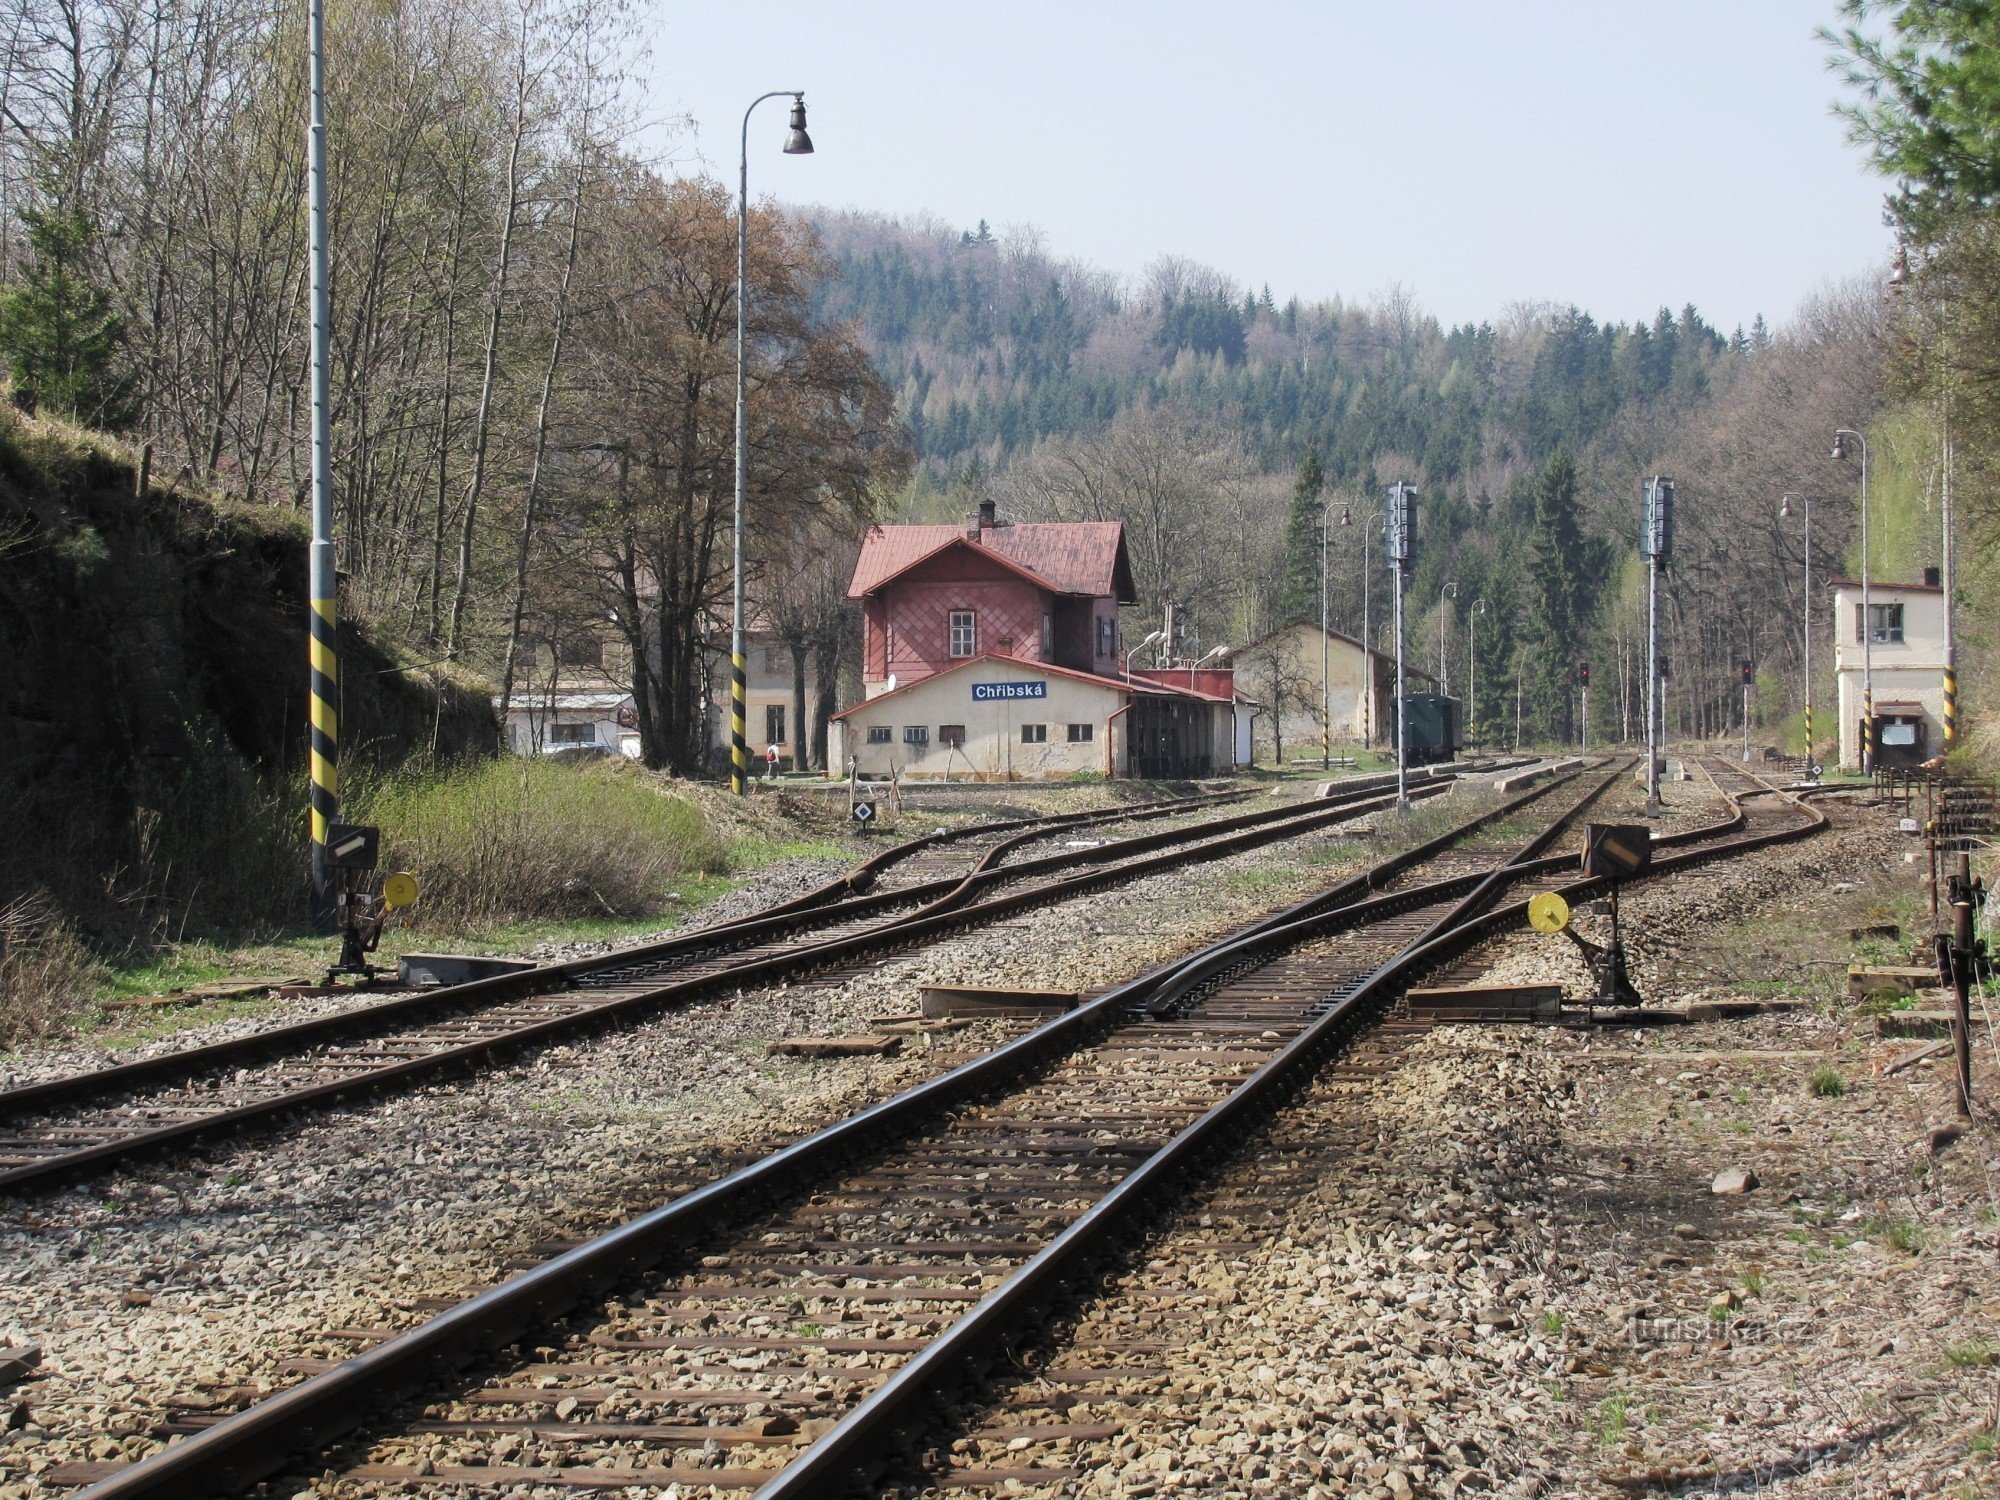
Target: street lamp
pixel 1472 667
pixel 1325 659
pixel 1449 591
pixel 1805 617
pixel 1840 437
pixel 1152 640
pixel 1656 542
pixel 1900 279
pixel 797 143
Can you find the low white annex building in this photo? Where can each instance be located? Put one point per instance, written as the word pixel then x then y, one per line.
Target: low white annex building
pixel 1905 637
pixel 998 718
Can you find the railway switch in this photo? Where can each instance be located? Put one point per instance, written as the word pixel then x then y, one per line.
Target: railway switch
pixel 353 851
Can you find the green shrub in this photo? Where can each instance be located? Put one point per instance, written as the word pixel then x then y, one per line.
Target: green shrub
pixel 526 840
pixel 46 972
pixel 1826 1082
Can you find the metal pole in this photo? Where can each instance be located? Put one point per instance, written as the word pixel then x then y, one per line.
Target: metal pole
pixel 1805 654
pixel 322 578
pixel 1746 722
pixel 1402 706
pixel 1586 719
pixel 1961 980
pixel 1367 645
pixel 1867 633
pixel 1653 687
pixel 739 749
pixel 1945 562
pixel 1325 659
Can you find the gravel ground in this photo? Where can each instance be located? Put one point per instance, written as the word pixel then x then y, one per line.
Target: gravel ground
pixel 200 1278
pixel 1507 1268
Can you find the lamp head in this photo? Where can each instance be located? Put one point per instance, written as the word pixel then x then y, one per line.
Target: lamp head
pixel 1840 445
pixel 1346 516
pixel 1785 508
pixel 798 143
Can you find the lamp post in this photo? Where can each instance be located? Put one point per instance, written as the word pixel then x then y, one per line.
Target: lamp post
pixel 1449 591
pixel 1472 668
pixel 1840 437
pixel 1325 659
pixel 1657 543
pixel 1152 640
pixel 1900 279
pixel 797 143
pixel 1805 617
pixel 1402 523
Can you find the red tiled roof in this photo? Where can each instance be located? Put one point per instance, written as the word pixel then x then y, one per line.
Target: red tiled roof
pixel 1137 685
pixel 1065 557
pixel 1885 583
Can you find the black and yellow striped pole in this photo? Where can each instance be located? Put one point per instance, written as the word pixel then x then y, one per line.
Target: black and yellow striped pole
pixel 1950 700
pixel 322 643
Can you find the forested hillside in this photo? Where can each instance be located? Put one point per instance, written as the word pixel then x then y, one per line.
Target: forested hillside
pixel 1217 421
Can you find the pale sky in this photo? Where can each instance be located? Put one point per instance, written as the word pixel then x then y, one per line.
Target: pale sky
pixel 1617 154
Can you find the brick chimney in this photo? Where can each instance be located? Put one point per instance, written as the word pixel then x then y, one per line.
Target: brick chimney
pixel 983 519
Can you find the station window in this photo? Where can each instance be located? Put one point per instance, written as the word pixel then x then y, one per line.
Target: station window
pixel 880 734
pixel 774 723
pixel 579 651
pixel 1107 631
pixel 1034 734
pixel 951 734
pixel 1887 623
pixel 964 635
pixel 572 734
pixel 916 734
pixel 1082 734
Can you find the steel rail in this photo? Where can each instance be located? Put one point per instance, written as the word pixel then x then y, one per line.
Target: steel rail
pixel 799 914
pixel 856 1448
pixel 1272 826
pixel 252 1444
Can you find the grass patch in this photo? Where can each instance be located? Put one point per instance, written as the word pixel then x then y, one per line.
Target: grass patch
pixel 1261 878
pixel 1753 1281
pixel 1613 1416
pixel 47 975
pixel 524 839
pixel 1973 1354
pixel 1896 1233
pixel 1552 1321
pixel 1826 1082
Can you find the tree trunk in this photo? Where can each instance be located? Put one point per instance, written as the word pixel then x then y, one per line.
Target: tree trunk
pixel 798 724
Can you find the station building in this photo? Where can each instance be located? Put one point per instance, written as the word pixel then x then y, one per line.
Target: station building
pixel 993 651
pixel 1905 633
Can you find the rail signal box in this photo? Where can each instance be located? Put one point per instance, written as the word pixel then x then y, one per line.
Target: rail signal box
pixel 1617 851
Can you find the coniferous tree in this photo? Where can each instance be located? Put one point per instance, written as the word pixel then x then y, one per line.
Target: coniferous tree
pixel 1560 596
pixel 1298 597
pixel 57 328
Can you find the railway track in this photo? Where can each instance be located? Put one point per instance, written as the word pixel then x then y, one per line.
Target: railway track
pixel 59 1129
pixel 845 1275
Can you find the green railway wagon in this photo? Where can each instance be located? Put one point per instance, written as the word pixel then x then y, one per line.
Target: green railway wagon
pixel 1436 732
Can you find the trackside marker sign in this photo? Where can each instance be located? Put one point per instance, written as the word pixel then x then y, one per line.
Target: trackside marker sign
pixel 994 692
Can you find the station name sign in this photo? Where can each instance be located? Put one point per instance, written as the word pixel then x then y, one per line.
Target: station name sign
pixel 996 692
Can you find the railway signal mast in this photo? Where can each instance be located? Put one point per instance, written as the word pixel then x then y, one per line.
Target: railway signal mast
pixel 1583 682
pixel 1656 542
pixel 322 642
pixel 1402 523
